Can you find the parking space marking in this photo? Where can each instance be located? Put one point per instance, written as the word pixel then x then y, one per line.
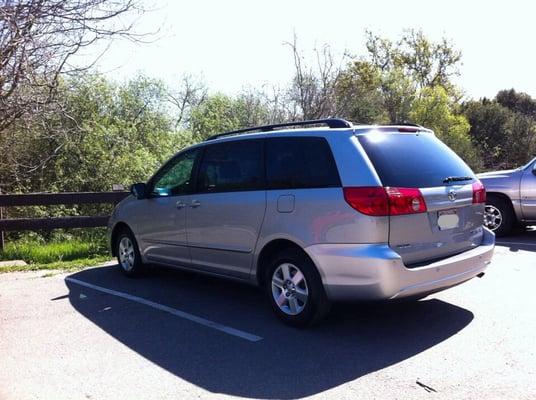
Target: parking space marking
pixel 178 313
pixel 501 243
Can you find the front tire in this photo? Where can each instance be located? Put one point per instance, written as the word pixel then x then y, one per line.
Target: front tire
pixel 499 216
pixel 128 255
pixel 295 290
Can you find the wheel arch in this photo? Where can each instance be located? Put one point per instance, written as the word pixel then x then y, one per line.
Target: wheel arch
pixel 116 231
pixel 508 201
pixel 273 247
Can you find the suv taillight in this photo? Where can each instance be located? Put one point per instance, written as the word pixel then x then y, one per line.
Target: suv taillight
pixel 380 201
pixel 479 193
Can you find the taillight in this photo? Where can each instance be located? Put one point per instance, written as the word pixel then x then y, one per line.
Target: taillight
pixel 405 201
pixel 479 193
pixel 371 200
pixel 380 201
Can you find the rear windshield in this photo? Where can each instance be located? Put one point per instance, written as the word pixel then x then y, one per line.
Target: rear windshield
pixel 416 160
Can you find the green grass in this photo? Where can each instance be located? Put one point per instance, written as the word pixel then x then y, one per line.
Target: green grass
pixel 45 253
pixel 65 254
pixel 59 265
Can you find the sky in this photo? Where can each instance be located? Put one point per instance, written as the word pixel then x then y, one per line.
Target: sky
pixel 236 44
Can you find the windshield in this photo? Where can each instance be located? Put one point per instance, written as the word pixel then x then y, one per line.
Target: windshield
pixel 528 164
pixel 416 160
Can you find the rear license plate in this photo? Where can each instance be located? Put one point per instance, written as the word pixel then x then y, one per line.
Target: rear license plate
pixel 447 219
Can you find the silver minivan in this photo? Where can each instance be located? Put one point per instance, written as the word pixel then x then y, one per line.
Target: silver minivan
pixel 326 211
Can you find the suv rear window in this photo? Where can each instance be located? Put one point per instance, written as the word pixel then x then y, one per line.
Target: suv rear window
pixel 300 162
pixel 416 160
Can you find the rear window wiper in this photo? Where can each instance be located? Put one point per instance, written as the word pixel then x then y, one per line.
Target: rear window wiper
pixel 449 179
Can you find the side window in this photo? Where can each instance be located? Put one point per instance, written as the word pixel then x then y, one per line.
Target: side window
pixel 300 162
pixel 175 177
pixel 231 166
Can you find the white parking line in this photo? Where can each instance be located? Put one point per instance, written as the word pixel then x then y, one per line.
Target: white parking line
pixel 515 243
pixel 178 313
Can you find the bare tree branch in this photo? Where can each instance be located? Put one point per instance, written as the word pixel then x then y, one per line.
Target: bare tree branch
pixel 38 39
pixel 313 88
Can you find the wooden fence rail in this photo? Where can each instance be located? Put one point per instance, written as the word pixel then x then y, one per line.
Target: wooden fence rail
pixel 47 199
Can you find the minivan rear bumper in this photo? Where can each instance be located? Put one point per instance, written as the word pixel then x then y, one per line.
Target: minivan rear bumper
pixel 376 272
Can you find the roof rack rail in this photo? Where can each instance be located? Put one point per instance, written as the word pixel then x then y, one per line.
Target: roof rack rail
pixel 332 123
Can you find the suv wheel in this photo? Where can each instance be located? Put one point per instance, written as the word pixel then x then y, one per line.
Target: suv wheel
pixel 128 255
pixel 498 215
pixel 295 290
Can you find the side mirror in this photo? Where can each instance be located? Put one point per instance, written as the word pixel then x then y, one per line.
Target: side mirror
pixel 139 190
pixel 534 169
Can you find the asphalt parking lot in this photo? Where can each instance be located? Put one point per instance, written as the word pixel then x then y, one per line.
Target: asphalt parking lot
pixel 94 334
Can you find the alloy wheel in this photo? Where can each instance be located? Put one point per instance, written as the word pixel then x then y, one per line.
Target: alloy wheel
pixel 126 253
pixel 289 289
pixel 492 217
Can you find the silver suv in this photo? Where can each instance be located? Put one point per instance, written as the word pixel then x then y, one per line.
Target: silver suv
pixel 312 214
pixel 511 198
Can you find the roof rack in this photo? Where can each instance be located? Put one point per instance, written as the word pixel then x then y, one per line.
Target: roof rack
pixel 332 123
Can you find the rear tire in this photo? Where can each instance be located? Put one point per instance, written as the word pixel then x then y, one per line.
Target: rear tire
pixel 499 215
pixel 294 289
pixel 128 255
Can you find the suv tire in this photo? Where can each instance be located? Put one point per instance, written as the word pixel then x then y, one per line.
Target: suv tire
pixel 505 217
pixel 294 289
pixel 128 255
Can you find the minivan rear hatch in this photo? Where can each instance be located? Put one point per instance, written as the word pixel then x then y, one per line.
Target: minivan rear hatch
pixel 450 220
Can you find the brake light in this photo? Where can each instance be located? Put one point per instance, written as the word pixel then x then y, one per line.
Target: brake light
pixel 479 193
pixel 371 200
pixel 380 201
pixel 405 201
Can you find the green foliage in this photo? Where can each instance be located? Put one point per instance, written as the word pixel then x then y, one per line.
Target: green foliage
pixel 99 133
pixel 124 134
pixel 220 113
pixel 503 129
pixel 487 120
pixel 358 93
pixel 517 102
pixel 368 94
pixel 434 109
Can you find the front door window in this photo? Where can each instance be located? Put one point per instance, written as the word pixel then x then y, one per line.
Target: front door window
pixel 175 178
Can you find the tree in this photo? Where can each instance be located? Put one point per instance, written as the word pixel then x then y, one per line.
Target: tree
pixel 190 94
pixel 487 119
pixel 434 109
pixel 380 86
pixel 517 101
pixel 220 113
pixel 503 129
pixel 358 93
pixel 97 133
pixel 38 39
pixel 312 89
pixel 430 63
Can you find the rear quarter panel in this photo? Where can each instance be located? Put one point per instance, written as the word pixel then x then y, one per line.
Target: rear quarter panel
pixel 506 183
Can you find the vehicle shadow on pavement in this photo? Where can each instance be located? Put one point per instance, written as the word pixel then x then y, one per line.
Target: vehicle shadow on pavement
pixel 287 363
pixel 523 240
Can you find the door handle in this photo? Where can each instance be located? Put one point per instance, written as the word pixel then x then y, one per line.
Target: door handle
pixel 180 204
pixel 195 203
